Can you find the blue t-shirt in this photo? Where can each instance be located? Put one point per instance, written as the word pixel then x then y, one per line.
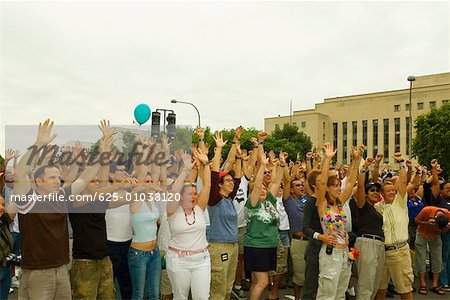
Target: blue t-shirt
pixel 415 205
pixel 295 209
pixel 223 222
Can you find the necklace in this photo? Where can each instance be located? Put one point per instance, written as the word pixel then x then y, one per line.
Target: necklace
pixel 186 217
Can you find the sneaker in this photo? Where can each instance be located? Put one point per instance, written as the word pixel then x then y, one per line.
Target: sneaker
pixel 238 294
pixel 14 282
pixel 246 285
pixel 446 288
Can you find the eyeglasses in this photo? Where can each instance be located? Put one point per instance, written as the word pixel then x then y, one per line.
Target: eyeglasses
pixel 299 185
pixel 266 172
pixel 374 190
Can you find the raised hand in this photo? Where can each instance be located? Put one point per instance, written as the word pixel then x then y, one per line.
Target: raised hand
pixel 368 162
pixel 238 133
pixel 262 136
pixel 202 158
pixel 106 144
pixel 434 163
pixel 187 161
pixel 397 156
pixel 282 157
pixel 378 158
pixel 309 155
pixel 9 154
pixel 199 132
pixel 254 142
pixel 328 150
pixel 106 129
pixel 165 143
pixel 409 164
pixel 218 138
pixel 44 131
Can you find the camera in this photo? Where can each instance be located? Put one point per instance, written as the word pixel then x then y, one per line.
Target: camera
pixel 12 260
pixel 329 250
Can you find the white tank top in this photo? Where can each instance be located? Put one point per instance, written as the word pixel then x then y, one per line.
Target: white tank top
pixel 185 236
pixel 118 224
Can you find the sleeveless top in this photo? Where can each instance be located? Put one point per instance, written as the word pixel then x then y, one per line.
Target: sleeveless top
pixel 185 236
pixel 334 223
pixel 144 223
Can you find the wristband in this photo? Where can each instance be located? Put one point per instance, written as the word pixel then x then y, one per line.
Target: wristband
pixel 400 161
pixel 238 157
pixel 316 235
pixel 308 159
pixel 363 171
pixel 282 166
pixel 233 143
pixel 403 167
pixel 201 140
pixel 261 143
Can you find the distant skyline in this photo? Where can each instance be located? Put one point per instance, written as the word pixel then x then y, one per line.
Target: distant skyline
pixel 78 62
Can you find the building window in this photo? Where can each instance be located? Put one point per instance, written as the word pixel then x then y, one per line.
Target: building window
pixel 407 135
pixel 420 105
pixel 445 101
pixel 355 133
pixel 407 106
pixel 432 104
pixel 397 107
pixel 303 124
pixel 364 124
pixel 294 123
pixel 335 136
pixel 323 125
pixel 386 138
pixel 375 137
pixel 323 137
pixel 344 142
pixel 397 134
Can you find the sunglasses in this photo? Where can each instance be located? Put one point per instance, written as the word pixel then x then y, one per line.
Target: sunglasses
pixel 374 190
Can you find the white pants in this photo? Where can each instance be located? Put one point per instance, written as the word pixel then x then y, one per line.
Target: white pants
pixel 189 272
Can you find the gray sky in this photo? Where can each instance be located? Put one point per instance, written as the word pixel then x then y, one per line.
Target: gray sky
pixel 78 62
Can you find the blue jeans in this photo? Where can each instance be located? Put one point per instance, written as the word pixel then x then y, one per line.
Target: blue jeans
pixel 145 270
pixel 444 276
pixel 5 282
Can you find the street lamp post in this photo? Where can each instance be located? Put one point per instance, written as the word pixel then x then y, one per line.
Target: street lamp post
pixel 410 79
pixel 198 113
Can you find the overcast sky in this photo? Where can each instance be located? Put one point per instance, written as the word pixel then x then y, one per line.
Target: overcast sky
pixel 78 62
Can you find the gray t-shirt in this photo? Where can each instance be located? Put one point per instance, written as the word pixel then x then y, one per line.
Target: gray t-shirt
pixel 295 208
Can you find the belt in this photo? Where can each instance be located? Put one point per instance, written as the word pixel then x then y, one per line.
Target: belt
pixel 302 238
pixel 395 247
pixel 182 253
pixel 373 237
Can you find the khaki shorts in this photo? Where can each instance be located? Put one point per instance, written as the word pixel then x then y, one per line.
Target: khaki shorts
pixel 241 235
pixel 224 260
pixel 281 260
pixel 298 249
pixel 397 266
pixel 92 279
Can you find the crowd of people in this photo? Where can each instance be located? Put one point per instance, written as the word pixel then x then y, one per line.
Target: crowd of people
pixel 200 228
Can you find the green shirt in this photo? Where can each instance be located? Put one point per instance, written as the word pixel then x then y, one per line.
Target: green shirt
pixel 262 223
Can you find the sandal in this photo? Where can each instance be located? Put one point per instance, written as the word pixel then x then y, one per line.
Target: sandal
pixel 423 290
pixel 438 290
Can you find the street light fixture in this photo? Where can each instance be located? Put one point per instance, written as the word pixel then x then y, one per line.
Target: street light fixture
pixel 410 79
pixel 183 102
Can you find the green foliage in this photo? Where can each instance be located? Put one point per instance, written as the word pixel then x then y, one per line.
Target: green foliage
pixel 288 139
pixel 182 140
pixel 433 138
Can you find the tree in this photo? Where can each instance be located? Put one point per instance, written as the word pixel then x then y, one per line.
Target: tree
pixel 433 137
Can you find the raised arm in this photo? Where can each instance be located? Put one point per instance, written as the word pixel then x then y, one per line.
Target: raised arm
pixel 353 173
pixel 309 156
pixel 22 183
pixel 435 189
pixel 376 169
pixel 360 192
pixel 203 197
pixel 256 193
pixel 403 177
pixel 218 138
pixel 322 184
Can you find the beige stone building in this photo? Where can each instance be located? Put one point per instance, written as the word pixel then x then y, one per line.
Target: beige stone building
pixel 378 120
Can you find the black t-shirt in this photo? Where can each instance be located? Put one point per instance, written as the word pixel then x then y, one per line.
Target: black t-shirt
pixel 367 221
pixel 89 231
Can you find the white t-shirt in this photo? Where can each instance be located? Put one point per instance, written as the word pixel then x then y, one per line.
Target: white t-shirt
pixel 284 220
pixel 188 233
pixel 239 201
